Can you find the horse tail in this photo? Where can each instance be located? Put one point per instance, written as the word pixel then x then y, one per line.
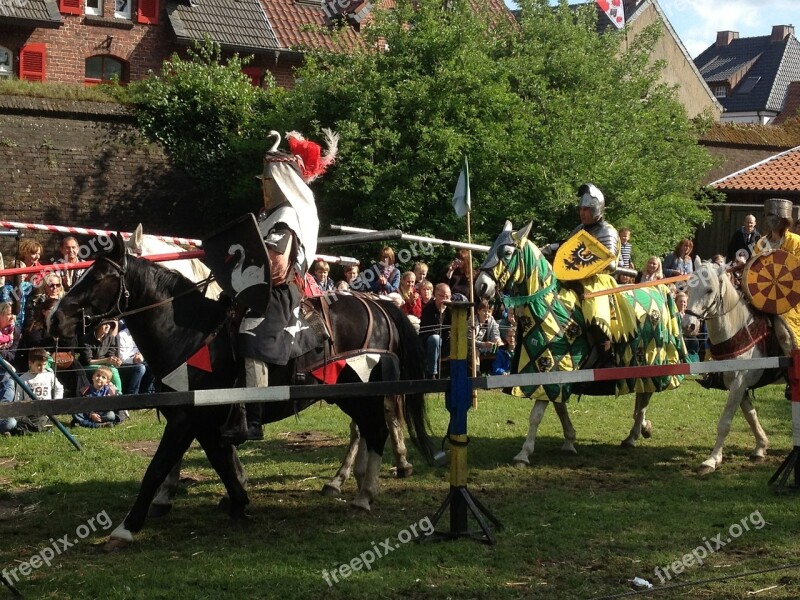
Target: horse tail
pixel 412 366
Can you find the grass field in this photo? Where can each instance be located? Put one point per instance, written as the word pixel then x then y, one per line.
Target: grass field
pixel 575 526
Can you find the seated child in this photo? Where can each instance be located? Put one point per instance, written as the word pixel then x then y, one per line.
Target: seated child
pixel 101 386
pixel 44 384
pixel 321 270
pixel 502 359
pixel 487 338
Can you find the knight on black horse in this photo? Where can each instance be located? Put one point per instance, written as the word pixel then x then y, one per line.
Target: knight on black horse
pixel 268 277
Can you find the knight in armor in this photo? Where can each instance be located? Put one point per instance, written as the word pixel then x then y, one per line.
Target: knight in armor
pixel 602 313
pixel 288 224
pixel 591 208
pixel 778 221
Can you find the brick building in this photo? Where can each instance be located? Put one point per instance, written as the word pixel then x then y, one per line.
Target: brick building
pixel 89 41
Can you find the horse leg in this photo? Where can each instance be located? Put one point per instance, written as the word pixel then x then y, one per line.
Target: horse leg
pixel 641 426
pixel 537 412
pixel 177 437
pixel 373 457
pixel 334 487
pixel 392 407
pixel 566 426
pixel 750 415
pixel 162 502
pixel 736 393
pixel 225 461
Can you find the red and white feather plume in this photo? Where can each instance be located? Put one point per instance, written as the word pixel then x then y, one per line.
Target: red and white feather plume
pixel 313 162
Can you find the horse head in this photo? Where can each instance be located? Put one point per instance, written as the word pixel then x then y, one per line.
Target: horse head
pixel 707 289
pixel 101 292
pixel 513 262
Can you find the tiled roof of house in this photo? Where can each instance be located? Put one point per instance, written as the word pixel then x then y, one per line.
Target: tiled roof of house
pixel 779 173
pixel 38 13
pixel 272 24
pixel 302 25
pixel 791 104
pixel 783 137
pixel 235 24
pixel 762 67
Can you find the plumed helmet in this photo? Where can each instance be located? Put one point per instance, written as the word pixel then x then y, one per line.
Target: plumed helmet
pixel 778 207
pixel 593 198
pixel 285 173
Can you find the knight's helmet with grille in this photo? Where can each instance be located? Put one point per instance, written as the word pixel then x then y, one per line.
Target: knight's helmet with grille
pixel 591 197
pixel 778 207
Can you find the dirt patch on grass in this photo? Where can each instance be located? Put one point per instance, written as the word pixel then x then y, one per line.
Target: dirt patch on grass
pixel 308 440
pixel 142 448
pixel 7 463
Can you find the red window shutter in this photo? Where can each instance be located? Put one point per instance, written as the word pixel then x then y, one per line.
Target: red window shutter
pixel 254 73
pixel 147 12
pixel 70 7
pixel 32 62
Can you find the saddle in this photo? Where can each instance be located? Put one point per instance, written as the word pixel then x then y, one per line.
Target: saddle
pixel 326 362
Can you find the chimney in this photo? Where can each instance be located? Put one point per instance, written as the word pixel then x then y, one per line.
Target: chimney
pixel 781 32
pixel 726 37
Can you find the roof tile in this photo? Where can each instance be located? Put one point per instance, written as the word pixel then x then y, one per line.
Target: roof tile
pixel 36 12
pixel 780 173
pixel 237 24
pixel 767 66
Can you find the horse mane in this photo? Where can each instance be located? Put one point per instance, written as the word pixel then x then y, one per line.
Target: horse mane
pixel 151 277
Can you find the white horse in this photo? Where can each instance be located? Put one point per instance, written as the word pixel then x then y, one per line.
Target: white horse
pixel 734 332
pixel 356 454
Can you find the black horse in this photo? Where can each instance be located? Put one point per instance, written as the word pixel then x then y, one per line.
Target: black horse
pixel 170 320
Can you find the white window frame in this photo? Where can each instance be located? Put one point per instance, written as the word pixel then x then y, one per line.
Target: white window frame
pixel 126 14
pixel 95 12
pixel 721 91
pixel 7 71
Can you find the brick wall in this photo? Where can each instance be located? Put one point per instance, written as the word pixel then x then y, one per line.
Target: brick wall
pixel 142 47
pixel 84 164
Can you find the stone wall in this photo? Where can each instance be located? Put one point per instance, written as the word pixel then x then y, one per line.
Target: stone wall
pixel 85 164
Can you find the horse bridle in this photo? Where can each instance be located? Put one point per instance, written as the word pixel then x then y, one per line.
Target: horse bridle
pixel 117 309
pixel 717 302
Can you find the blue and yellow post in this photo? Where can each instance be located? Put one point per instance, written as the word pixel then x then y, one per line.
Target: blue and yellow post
pixel 458 400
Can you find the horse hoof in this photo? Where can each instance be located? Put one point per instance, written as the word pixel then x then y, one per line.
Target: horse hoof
pixel 224 504
pixel 705 470
pixel 330 491
pixel 403 472
pixel 627 443
pixel 757 458
pixel 569 449
pixel 520 464
pixel 159 510
pixel 361 504
pixel 115 545
pixel 647 430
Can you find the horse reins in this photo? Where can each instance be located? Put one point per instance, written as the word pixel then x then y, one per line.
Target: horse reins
pixel 123 294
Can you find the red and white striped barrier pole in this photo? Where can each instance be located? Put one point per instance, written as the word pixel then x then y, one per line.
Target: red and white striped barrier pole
pixel 189 254
pixel 792 462
pixel 90 231
pixel 343 260
pixel 85 264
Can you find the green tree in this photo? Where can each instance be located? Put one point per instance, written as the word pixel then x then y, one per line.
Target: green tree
pixel 539 106
pixel 207 115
